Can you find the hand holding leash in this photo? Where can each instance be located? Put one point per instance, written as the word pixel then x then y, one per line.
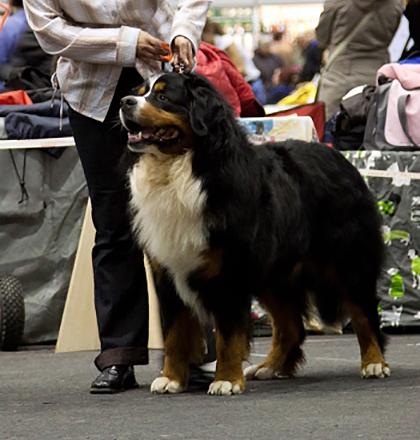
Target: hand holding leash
pixel 183 60
pixel 151 50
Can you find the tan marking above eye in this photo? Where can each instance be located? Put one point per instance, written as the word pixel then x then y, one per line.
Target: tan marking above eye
pixel 159 87
pixel 142 90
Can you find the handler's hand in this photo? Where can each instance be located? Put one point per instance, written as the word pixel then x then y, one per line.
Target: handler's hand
pixel 183 54
pixel 151 49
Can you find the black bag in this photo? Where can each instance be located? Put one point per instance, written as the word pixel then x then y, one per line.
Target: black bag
pixel 26 78
pixel 348 129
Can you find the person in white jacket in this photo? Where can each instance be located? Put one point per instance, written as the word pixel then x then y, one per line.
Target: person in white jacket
pixel 105 48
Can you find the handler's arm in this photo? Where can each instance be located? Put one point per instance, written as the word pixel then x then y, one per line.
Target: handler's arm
pixel 188 23
pixel 58 36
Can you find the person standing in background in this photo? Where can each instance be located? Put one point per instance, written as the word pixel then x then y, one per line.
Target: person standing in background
pixel 14 27
pixel 105 49
pixel 19 50
pixel 412 12
pixel 214 34
pixel 312 60
pixel 359 61
pixel 267 63
pixel 282 48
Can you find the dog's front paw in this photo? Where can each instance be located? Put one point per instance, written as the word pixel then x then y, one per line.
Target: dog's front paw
pixel 378 370
pixel 225 388
pixel 163 385
pixel 261 373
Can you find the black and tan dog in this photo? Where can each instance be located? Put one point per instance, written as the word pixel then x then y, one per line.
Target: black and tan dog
pixel 224 221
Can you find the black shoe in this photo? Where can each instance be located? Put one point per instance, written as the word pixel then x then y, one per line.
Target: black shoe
pixel 114 379
pixel 202 375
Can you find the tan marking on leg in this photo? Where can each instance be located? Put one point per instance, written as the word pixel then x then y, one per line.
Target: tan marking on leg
pixel 229 377
pixel 373 362
pixel 285 353
pixel 184 345
pixel 212 263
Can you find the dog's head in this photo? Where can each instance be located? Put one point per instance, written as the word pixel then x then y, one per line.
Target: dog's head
pixel 171 112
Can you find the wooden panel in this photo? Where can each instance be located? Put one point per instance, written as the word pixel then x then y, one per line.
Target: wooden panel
pixel 78 329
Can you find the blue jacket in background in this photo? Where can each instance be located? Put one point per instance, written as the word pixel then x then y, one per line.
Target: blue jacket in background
pixel 13 28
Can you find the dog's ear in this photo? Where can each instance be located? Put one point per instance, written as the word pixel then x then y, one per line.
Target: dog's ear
pixel 205 106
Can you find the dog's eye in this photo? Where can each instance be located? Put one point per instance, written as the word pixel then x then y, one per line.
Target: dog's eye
pixel 162 97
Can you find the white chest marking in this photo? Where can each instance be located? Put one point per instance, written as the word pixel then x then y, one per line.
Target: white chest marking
pixel 168 202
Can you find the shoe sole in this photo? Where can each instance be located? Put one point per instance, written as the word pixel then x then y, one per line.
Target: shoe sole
pixel 113 390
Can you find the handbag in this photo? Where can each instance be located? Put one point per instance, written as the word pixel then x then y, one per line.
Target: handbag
pixel 393 120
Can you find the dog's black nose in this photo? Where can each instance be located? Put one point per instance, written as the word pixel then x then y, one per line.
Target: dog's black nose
pixel 128 101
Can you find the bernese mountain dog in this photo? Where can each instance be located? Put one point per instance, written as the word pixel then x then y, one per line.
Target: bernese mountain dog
pixel 224 221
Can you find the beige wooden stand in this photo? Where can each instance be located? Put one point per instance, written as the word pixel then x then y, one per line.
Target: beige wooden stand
pixel 78 329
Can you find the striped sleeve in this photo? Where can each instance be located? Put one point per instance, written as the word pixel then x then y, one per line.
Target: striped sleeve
pixel 190 19
pixel 57 36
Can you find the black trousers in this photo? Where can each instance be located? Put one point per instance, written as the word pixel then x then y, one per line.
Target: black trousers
pixel 121 299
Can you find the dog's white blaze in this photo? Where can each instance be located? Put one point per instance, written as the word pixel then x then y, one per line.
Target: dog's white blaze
pixel 152 80
pixel 168 204
pixel 141 100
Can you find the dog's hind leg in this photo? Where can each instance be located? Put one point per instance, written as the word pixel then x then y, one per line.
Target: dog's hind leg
pixel 232 348
pixel 366 325
pixel 288 334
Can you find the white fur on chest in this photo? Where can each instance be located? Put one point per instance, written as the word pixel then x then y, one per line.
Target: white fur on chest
pixel 168 203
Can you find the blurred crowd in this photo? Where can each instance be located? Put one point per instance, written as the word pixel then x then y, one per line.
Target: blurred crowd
pixel 280 65
pixel 277 66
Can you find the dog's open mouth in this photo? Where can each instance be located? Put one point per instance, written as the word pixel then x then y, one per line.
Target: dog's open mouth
pixel 154 135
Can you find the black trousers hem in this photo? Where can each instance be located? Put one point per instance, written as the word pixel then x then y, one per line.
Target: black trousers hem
pixel 122 356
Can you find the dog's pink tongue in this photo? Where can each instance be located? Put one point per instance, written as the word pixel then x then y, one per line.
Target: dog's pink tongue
pixel 146 133
pixel 160 133
pixel 171 132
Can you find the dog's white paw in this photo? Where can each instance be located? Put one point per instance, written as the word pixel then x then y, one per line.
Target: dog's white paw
pixel 376 371
pixel 163 385
pixel 224 388
pixel 260 373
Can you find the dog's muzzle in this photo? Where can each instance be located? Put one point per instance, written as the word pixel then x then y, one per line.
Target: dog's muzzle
pixel 161 135
pixel 128 107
